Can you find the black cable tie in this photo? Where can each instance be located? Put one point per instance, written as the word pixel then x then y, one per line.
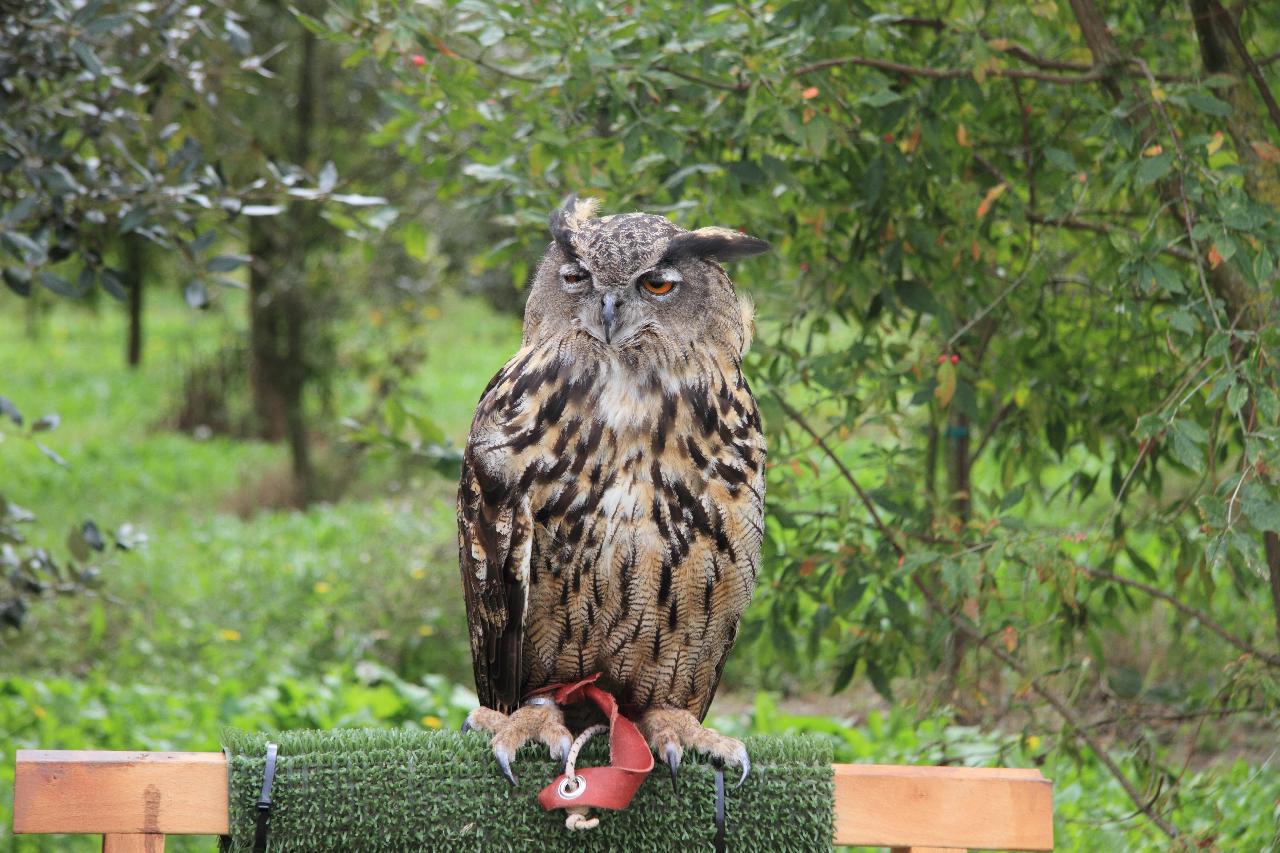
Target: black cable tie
pixel 720 848
pixel 264 800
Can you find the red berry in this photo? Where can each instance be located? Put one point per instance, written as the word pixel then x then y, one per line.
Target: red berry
pixel 941 359
pixel 804 267
pixel 418 59
pixel 955 359
pixel 1026 110
pixel 888 137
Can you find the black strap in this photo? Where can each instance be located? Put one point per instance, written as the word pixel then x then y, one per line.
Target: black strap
pixel 264 800
pixel 719 808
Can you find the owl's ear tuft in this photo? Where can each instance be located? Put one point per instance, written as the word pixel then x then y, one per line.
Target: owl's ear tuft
pixel 721 244
pixel 569 217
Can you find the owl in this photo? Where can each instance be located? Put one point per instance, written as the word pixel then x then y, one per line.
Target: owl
pixel 610 510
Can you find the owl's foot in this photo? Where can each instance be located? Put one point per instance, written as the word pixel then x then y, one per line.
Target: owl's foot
pixel 670 731
pixel 538 719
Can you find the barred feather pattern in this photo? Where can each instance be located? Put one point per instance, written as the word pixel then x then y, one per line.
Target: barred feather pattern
pixel 610 516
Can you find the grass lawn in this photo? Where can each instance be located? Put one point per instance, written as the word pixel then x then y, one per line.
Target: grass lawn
pixel 346 614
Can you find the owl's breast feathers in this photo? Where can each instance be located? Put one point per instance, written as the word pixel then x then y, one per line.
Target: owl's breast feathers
pixel 610 520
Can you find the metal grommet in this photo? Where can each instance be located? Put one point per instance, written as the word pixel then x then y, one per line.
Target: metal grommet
pixel 539 700
pixel 579 789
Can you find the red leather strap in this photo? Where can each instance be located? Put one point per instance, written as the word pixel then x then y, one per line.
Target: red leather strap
pixel 630 760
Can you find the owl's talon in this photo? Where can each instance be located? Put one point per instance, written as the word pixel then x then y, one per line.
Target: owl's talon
pixel 673 761
pixel 670 731
pixel 542 721
pixel 504 761
pixel 466 726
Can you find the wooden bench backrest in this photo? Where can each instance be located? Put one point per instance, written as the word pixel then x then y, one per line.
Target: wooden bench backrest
pixel 135 799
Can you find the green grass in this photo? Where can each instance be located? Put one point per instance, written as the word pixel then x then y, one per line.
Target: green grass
pixel 346 614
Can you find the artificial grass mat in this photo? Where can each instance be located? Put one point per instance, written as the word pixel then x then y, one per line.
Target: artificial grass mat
pixel 390 789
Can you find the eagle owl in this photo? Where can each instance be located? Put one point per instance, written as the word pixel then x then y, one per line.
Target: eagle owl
pixel 610 511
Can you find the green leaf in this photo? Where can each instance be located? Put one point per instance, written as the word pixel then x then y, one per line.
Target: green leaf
pixel 1141 564
pixel 76 545
pixel 1237 396
pixel 18 280
pixel 226 263
pixel 1268 404
pixel 1062 159
pixel 196 294
pixel 58 284
pixel 1013 498
pixel 328 177
pixel 112 284
pixel 356 200
pixel 1167 279
pixel 1184 441
pixel 880 98
pixel 1182 320
pixel 946 387
pixel 880 680
pixel 1152 169
pixel 1207 103
pixel 1261 506
pixel 9 410
pixel 87 57
pixel 137 214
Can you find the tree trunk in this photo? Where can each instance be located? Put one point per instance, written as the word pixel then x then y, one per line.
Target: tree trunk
pixel 135 262
pixel 278 304
pixel 265 322
pixel 1222 52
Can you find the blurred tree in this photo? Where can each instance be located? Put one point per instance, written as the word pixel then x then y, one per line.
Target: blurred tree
pixel 280 356
pixel 1029 244
pixel 97 152
pixel 95 165
pixel 130 124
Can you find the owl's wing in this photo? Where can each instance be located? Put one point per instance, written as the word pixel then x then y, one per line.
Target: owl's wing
pixel 751 510
pixel 495 537
pixel 743 509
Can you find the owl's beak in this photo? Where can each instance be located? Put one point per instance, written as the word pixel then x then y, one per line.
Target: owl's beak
pixel 609 314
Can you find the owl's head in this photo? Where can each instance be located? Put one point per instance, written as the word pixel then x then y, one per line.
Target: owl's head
pixel 638 285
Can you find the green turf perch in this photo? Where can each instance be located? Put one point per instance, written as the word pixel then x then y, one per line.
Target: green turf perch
pixel 407 790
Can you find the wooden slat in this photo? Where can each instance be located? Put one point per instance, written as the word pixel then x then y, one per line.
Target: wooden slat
pixel 133 843
pixel 120 792
pixel 958 807
pixel 136 793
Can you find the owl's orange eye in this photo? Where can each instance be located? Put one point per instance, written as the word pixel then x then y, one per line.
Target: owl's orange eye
pixel 658 286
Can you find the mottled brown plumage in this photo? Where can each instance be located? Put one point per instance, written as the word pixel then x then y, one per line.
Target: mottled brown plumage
pixel 611 504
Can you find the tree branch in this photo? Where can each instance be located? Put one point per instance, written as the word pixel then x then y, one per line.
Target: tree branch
pixel 844 471
pixel 964 626
pixel 693 78
pixel 1233 35
pixel 1058 704
pixel 946 73
pixel 1104 228
pixel 1178 718
pixel 991 429
pixel 1195 613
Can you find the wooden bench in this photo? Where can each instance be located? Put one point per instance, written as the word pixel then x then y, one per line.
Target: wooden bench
pixel 135 799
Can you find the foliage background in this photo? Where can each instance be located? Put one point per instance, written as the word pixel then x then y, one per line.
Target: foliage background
pixel 1016 356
